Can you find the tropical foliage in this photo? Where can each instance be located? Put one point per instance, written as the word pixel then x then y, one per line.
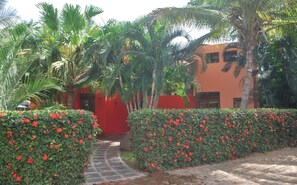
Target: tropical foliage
pixel 135 60
pixel 66 35
pixel 277 63
pixel 19 49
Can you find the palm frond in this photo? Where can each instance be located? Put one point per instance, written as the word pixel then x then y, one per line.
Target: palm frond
pixel 92 11
pixel 72 19
pixel 7 15
pixel 49 16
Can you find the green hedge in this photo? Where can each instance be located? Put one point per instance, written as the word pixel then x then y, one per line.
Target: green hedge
pixel 45 147
pixel 167 139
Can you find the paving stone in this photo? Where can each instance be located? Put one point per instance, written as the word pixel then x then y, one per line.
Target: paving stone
pixel 108 173
pixel 123 167
pixel 95 180
pixel 115 177
pixel 102 169
pixel 92 175
pixel 126 171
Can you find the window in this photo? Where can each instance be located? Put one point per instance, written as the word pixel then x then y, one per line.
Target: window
pixel 212 57
pixel 230 56
pixel 209 99
pixel 236 102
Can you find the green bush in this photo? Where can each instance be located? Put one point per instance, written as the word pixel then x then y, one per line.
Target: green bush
pixel 45 147
pixel 167 139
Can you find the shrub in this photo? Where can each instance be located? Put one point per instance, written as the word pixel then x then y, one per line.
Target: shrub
pixel 45 147
pixel 167 139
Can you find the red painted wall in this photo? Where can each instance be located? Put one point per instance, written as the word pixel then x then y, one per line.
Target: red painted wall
pixel 111 112
pixel 171 102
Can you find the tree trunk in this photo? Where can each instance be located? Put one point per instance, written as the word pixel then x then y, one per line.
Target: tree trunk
pixel 248 75
pixel 71 95
pixel 256 90
pixel 153 89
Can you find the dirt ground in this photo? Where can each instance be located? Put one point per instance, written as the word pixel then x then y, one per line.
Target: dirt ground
pixel 278 167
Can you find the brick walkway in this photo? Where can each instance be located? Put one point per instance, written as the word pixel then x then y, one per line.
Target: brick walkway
pixel 106 164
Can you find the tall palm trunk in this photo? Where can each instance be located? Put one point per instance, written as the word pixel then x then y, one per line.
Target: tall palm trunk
pixel 248 74
pixel 151 104
pixel 71 94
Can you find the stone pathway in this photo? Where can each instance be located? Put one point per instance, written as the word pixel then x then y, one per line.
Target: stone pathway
pixel 106 164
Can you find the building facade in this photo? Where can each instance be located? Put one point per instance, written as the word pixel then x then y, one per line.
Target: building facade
pixel 219 89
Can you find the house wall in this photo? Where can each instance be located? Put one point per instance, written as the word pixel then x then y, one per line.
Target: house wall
pixel 215 80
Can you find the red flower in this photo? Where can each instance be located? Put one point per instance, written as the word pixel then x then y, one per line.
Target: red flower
pixel 26 120
pixel 9 133
pixel 199 139
pixel 176 122
pixel 73 127
pixel 95 125
pixel 34 124
pixel 19 157
pixel 44 157
pixel 53 116
pixel 186 146
pixel 30 160
pixel 59 130
pixel 254 144
pixel 73 134
pixel 33 137
pixel 18 179
pixel 89 136
pixel 81 141
pixel 2 114
pixel 9 165
pixel 272 116
pixel 201 126
pixel 57 147
pixel 170 139
pixel 51 146
pixel 66 136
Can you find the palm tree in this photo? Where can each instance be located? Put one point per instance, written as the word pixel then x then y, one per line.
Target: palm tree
pixel 19 49
pixel 67 34
pixel 245 17
pixel 133 58
pixel 7 15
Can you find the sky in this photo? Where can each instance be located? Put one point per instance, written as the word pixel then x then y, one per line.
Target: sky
pixel 121 10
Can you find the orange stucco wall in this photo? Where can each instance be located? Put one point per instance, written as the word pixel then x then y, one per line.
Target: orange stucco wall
pixel 215 80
